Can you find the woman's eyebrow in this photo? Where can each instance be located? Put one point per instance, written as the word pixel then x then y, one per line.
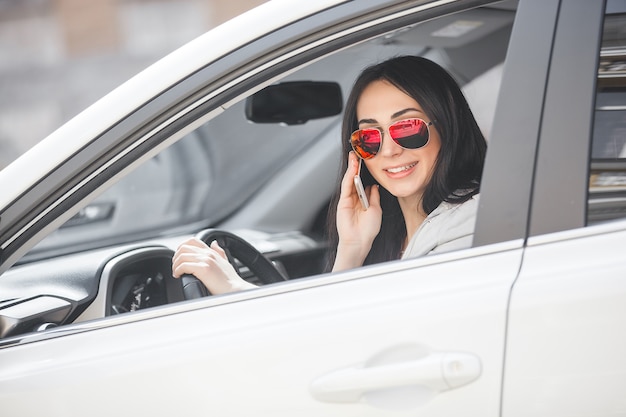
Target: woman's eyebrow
pixel 401 112
pixel 368 121
pixel 393 116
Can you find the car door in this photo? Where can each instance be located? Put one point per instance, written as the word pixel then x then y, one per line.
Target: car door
pixel 565 342
pixel 421 336
pixel 416 337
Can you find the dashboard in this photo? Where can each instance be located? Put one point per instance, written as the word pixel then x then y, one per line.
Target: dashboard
pixel 121 280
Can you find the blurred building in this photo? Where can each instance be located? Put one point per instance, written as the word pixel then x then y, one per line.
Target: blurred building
pixel 59 56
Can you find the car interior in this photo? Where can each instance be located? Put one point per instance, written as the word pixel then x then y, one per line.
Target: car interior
pixel 258 172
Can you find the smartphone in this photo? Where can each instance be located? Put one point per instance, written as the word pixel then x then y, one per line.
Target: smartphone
pixel 360 190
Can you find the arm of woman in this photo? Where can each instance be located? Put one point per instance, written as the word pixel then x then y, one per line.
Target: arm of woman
pixel 210 265
pixel 356 227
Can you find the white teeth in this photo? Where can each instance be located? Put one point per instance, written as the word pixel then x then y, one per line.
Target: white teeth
pixel 400 169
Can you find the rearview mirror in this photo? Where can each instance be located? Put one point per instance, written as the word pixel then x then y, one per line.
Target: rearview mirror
pixel 295 102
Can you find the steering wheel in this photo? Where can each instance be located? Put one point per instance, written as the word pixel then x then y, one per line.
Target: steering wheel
pixel 235 248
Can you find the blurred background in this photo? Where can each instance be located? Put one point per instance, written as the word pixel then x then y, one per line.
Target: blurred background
pixel 59 56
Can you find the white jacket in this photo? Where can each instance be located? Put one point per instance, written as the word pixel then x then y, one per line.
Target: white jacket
pixel 448 227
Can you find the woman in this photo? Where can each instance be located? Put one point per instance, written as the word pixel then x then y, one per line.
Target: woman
pixel 420 154
pixel 424 195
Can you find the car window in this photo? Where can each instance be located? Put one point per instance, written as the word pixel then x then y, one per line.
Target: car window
pixel 607 184
pixel 203 180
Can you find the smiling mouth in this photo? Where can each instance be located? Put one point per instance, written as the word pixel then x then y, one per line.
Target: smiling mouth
pixel 400 169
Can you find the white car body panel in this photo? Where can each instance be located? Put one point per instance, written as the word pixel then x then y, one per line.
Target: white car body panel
pixel 566 327
pixel 467 297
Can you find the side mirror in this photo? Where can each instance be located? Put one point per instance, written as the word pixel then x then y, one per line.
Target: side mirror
pixel 295 102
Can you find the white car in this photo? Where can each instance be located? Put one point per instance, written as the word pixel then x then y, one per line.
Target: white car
pixel 527 322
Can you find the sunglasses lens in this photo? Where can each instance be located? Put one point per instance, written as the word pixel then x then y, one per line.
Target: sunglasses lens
pixel 366 142
pixel 410 133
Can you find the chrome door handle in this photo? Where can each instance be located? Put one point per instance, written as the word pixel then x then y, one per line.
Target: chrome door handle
pixel 438 371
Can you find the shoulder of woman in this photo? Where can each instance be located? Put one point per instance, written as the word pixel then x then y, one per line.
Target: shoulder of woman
pixel 448 227
pixel 447 211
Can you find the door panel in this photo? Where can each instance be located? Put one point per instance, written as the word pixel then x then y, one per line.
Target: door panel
pixel 566 343
pixel 265 355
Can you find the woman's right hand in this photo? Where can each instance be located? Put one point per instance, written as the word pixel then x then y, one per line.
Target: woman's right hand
pixel 356 227
pixel 209 264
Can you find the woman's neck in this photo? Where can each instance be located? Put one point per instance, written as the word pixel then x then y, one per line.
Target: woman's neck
pixel 414 216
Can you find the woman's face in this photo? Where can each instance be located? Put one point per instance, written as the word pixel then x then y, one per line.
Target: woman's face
pixel 403 172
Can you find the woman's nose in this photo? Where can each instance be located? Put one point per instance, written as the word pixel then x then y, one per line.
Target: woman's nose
pixel 389 147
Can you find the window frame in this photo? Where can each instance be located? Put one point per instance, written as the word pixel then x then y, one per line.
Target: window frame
pixel 560 190
pixel 506 187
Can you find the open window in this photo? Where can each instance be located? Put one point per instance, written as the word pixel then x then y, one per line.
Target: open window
pixel 607 182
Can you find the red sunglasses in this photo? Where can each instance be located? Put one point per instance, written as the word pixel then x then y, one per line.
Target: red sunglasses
pixel 409 134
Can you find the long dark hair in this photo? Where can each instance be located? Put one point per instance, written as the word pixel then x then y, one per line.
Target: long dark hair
pixel 458 169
